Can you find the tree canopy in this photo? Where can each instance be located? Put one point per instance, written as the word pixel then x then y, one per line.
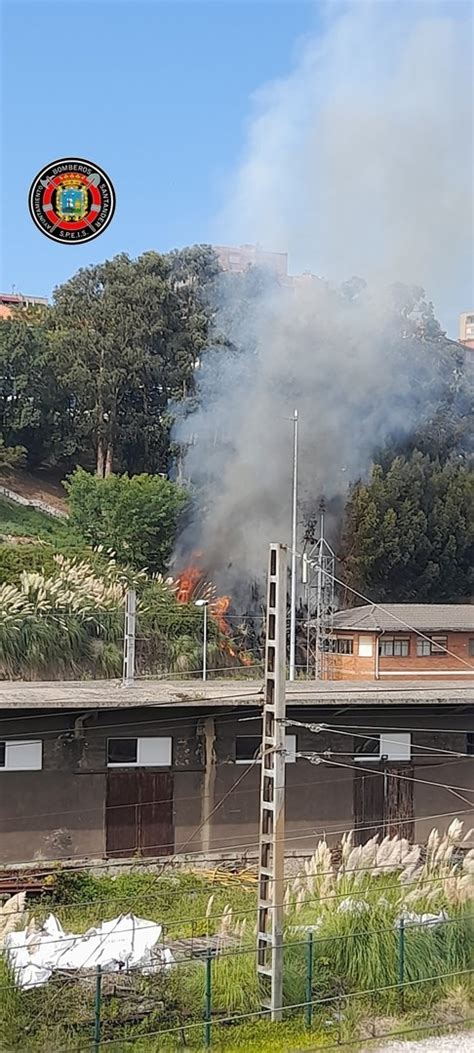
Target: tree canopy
pixel 409 533
pixel 136 517
pixel 91 380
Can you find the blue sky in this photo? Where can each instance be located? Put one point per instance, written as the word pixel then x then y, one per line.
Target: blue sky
pixel 157 93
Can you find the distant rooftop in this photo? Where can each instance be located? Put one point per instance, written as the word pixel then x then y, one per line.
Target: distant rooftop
pixel 12 299
pixel 398 617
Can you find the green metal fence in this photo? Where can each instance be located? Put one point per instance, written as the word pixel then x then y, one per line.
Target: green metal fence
pixel 304 960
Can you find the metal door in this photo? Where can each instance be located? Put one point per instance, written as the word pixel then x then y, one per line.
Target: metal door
pixel 139 813
pixel 383 802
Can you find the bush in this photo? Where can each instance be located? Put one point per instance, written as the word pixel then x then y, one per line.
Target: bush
pixel 14 559
pixel 135 516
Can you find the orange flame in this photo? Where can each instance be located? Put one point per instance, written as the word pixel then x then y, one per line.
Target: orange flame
pixel 187 582
pixel 218 610
pixel 191 586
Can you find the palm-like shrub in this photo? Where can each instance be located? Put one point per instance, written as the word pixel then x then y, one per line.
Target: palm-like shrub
pixel 68 623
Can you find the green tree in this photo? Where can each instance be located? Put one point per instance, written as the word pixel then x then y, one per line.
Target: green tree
pixel 11 456
pixel 408 531
pixel 131 332
pixel 36 411
pixel 136 517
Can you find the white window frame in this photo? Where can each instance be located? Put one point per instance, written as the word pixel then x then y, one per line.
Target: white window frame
pixel 366 647
pixel 290 746
pixel 144 752
pixel 394 745
pixel 23 755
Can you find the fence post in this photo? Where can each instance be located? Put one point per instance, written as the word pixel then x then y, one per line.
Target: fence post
pixel 309 982
pixel 98 1002
pixel 208 999
pixel 401 962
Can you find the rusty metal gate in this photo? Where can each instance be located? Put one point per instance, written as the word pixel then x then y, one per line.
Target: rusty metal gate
pixel 139 813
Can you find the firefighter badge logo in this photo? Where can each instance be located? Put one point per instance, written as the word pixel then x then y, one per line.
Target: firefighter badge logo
pixel 72 200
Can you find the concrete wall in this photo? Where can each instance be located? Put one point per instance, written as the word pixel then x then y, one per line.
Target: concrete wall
pixel 59 812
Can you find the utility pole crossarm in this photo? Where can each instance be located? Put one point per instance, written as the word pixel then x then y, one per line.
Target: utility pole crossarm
pixel 272 792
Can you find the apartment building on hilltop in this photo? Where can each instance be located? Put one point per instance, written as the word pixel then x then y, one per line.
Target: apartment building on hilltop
pixel 239 257
pixel 466 329
pixel 10 302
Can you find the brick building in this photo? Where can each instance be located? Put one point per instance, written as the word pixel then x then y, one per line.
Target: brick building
pixel 373 643
pixel 9 302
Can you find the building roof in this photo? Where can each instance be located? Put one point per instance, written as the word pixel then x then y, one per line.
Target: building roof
pixel 399 617
pixel 111 694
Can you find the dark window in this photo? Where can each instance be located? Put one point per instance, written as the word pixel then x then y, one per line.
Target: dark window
pixel 2 754
pixel 341 645
pixel 247 747
pixel 369 747
pixel 439 644
pixel 344 646
pixel 390 647
pixel 122 751
pixel 471 646
pixel 470 742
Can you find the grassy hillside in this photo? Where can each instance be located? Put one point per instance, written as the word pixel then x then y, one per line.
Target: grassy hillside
pixel 29 540
pixel 20 521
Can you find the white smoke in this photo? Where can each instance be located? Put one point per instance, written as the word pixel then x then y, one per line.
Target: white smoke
pixel 356 163
pixel 361 161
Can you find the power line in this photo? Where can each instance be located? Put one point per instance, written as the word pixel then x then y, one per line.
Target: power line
pixel 296 1005
pixel 336 729
pixel 315 728
pixel 213 886
pixel 379 607
pixel 251 910
pixel 321 758
pixel 238 847
pixel 161 800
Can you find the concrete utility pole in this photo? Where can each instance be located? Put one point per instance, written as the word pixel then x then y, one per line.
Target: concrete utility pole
pixel 204 604
pixel 129 638
pixel 272 791
pixel 294 533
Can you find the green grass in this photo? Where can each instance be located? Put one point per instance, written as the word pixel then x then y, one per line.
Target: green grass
pixel 59 1016
pixel 177 901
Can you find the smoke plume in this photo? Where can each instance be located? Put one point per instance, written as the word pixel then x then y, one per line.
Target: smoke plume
pixel 355 164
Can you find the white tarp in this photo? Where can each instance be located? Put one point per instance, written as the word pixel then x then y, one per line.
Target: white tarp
pixel 124 943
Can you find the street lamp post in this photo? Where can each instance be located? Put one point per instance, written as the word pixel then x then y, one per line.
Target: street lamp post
pixel 204 604
pixel 294 516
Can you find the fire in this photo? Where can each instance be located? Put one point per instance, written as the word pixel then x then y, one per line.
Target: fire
pixel 192 586
pixel 219 607
pixel 187 583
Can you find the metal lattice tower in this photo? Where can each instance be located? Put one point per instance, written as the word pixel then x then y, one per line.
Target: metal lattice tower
pixel 319 565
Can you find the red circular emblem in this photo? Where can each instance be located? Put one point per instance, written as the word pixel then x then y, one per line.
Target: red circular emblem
pixel 72 200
